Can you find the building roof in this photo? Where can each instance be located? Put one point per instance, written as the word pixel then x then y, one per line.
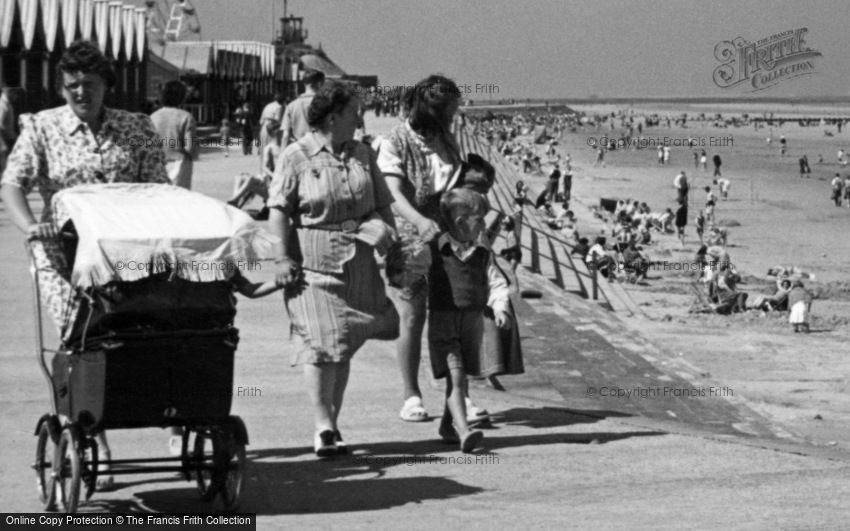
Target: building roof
pixel 232 59
pixel 194 59
pixel 322 64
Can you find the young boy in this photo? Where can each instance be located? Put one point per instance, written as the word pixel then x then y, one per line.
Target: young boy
pixel 463 282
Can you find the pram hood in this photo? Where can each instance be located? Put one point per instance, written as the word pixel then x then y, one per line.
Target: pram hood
pixel 129 231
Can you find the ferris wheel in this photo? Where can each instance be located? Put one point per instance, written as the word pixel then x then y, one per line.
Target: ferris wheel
pixel 172 20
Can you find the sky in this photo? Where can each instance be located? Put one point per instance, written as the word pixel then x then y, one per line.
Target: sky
pixel 551 48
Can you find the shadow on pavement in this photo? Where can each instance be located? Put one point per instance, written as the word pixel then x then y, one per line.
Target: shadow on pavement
pixel 291 481
pixel 551 417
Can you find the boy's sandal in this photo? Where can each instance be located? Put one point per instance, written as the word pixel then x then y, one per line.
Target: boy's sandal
pixel 413 410
pixel 448 433
pixel 470 440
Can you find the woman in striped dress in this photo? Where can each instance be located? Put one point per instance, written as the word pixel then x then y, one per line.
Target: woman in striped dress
pixel 328 188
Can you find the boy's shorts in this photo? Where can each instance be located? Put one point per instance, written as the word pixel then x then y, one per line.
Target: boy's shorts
pixel 454 340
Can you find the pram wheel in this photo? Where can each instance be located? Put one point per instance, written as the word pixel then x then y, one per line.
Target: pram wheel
pixel 67 470
pixel 231 467
pixel 219 456
pixel 200 456
pixel 45 451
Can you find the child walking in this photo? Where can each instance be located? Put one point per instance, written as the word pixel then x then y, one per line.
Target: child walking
pixel 463 282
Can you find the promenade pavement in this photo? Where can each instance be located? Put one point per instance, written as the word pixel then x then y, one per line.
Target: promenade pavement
pixel 558 455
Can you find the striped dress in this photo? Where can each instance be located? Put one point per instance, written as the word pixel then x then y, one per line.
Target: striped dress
pixel 344 302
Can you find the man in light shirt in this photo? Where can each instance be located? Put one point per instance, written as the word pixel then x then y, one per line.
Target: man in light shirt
pixel 294 123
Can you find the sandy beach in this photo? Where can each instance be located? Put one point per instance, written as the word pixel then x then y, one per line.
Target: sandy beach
pixel 798 380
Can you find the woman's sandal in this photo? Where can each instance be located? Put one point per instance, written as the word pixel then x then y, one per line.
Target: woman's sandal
pixel 413 410
pixel 324 444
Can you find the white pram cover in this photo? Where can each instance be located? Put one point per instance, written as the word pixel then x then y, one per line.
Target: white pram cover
pixel 129 231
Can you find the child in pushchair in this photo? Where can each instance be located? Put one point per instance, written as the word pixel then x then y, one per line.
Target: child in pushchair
pixel 147 338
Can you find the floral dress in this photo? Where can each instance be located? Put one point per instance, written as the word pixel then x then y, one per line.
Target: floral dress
pixel 427 168
pixel 56 150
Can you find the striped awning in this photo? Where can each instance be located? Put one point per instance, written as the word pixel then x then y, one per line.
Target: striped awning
pixel 225 59
pixel 112 23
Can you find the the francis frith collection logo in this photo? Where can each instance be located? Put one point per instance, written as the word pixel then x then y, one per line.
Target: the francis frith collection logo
pixel 759 65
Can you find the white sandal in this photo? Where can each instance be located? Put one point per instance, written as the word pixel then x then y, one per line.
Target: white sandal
pixel 413 410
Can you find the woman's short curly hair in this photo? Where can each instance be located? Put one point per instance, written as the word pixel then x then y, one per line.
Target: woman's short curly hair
pixel 84 56
pixel 331 97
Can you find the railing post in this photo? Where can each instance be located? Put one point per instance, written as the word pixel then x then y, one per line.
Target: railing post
pixel 594 280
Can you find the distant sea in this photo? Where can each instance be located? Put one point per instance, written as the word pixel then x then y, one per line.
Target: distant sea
pixel 821 100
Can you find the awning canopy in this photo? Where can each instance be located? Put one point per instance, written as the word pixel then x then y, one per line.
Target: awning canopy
pixel 322 64
pixel 106 21
pixel 231 59
pixel 195 58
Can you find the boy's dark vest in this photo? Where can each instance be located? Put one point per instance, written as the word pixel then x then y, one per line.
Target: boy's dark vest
pixel 458 285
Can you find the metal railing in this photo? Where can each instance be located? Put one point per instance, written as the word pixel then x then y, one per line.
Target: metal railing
pixel 502 201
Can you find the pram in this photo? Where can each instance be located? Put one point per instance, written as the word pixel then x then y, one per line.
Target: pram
pixel 148 339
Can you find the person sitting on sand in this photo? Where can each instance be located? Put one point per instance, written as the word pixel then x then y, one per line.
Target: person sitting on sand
pixel 727 298
pixel 642 232
pixel 708 260
pixel 778 301
pixel 662 221
pixel 717 236
pixel 582 248
pixel 598 257
pixel 635 262
pixel 619 209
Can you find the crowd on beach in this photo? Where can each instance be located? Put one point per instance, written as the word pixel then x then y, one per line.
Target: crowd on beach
pixel 527 140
